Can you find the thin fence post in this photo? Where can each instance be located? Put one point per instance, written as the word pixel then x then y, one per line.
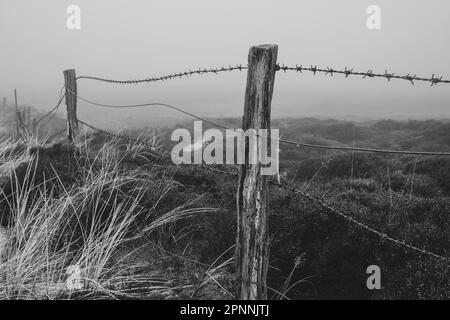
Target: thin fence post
pixel 252 245
pixel 71 103
pixel 23 120
pixel 20 120
pixel 4 108
pixel 28 122
pixel 3 111
pixel 34 127
pixel 17 115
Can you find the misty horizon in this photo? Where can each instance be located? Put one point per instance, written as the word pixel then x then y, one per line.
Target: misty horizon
pixel 139 41
pixel 220 155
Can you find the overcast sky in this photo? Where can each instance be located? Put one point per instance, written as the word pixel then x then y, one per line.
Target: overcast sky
pixel 144 38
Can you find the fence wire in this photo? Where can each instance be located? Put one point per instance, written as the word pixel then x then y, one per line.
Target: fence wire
pixel 189 73
pixel 381 235
pixel 300 69
pixel 317 202
pixel 433 80
pixel 359 149
pixel 369 74
pixel 54 109
pixel 112 135
pixel 289 142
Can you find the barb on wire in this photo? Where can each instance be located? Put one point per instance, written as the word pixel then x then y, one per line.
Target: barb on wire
pixel 189 73
pixel 369 74
pixel 314 69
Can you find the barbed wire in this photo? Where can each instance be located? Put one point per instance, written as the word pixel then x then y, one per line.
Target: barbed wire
pixel 314 69
pixel 381 235
pixel 189 73
pixel 54 109
pixel 434 80
pixel 369 74
pixel 360 224
pixel 343 215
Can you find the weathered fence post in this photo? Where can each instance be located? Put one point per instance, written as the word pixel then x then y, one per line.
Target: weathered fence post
pixel 34 127
pixel 28 123
pixel 20 120
pixel 252 248
pixel 17 133
pixel 3 113
pixel 23 120
pixel 71 103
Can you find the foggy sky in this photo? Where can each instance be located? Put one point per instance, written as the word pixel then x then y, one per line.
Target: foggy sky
pixel 143 38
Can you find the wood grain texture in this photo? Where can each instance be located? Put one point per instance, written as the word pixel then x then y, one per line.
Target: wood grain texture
pixel 71 103
pixel 252 249
pixel 17 126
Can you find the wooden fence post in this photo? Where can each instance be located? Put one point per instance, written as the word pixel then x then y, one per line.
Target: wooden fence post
pixel 252 247
pixel 71 103
pixel 4 108
pixel 34 127
pixel 20 120
pixel 23 120
pixel 28 122
pixel 17 115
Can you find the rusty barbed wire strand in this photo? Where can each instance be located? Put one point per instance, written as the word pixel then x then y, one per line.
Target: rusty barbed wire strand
pixel 381 235
pixel 369 74
pixel 189 73
pixel 434 80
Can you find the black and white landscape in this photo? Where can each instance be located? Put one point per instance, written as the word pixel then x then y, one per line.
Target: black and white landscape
pixel 102 195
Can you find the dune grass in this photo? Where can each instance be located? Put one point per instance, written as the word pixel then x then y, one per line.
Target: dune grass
pixel 65 234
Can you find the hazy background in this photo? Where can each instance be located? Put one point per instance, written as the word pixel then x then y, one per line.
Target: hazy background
pixel 136 39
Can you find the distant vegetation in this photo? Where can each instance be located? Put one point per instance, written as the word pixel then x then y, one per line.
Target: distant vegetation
pixel 46 126
pixel 138 226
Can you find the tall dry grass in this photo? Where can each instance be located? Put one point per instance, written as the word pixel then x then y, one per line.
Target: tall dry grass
pixel 62 239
